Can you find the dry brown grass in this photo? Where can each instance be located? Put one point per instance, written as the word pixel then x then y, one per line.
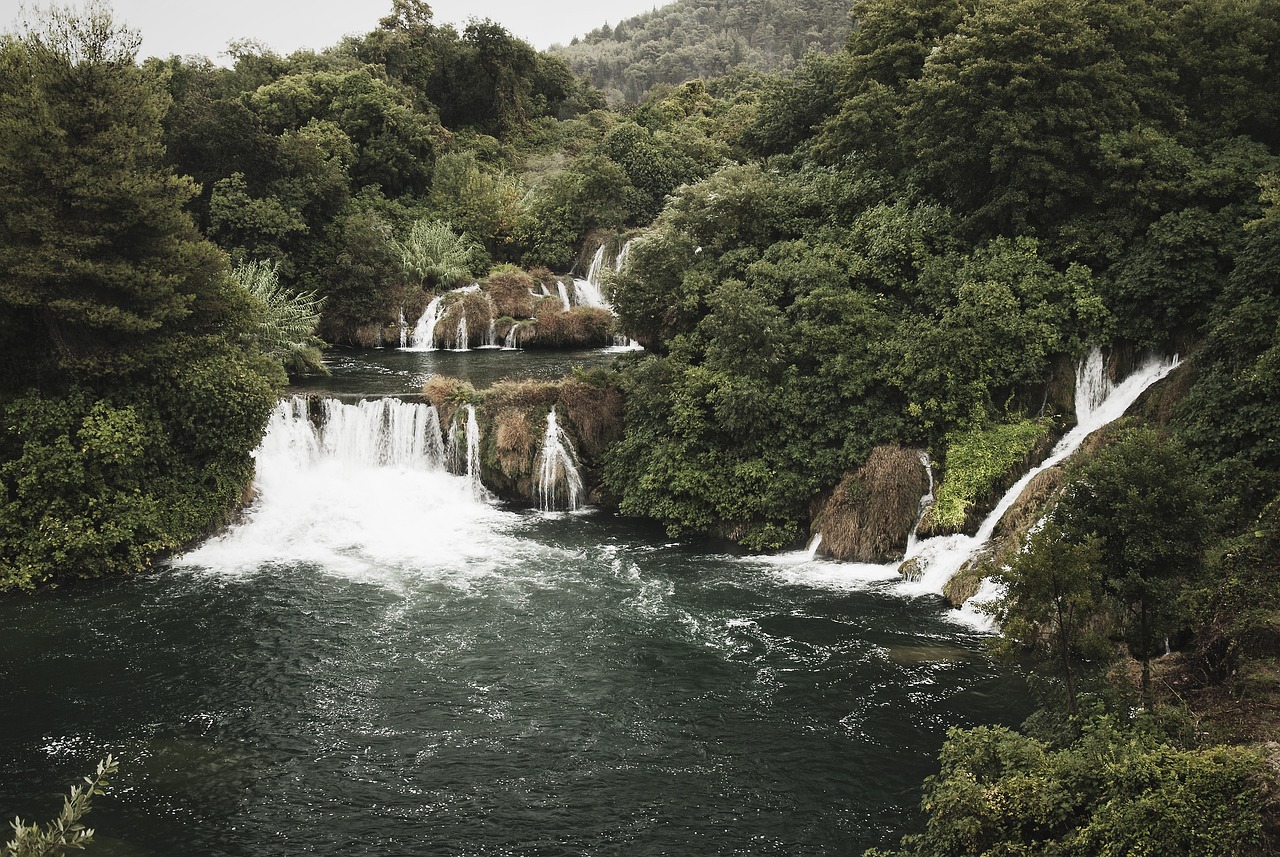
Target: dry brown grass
pixel 368 335
pixel 446 394
pixel 509 291
pixel 595 414
pixel 871 512
pixel 580 327
pixel 515 442
pixel 527 394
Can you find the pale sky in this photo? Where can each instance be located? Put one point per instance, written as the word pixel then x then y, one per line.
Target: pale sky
pixel 183 27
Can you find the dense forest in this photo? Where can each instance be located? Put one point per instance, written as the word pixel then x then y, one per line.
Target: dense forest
pixel 895 245
pixel 692 39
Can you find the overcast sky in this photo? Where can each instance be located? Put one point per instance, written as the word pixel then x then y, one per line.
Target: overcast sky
pixel 183 27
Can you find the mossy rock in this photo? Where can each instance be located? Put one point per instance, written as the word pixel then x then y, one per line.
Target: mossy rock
pixel 980 466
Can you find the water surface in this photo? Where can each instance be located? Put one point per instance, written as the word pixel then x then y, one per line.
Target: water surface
pixel 374 662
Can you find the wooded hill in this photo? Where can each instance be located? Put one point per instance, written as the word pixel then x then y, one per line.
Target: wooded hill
pixel 692 39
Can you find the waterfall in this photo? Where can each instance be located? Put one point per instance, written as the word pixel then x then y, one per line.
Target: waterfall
pixel 510 343
pixel 557 464
pixel 587 292
pixel 1092 384
pixel 491 338
pixel 377 433
pixel 404 328
pixel 942 556
pixel 623 254
pixel 460 338
pixel 473 455
pixel 597 262
pixel 355 489
pixel 424 332
pixel 812 550
pixel 926 502
pixel 564 294
pixel 463 456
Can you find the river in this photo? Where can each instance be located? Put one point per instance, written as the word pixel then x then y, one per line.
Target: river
pixel 374 662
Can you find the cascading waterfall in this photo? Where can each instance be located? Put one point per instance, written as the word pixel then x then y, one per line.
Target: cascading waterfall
pixel 424 332
pixel 377 433
pixel 511 342
pixel 587 292
pixel 1098 403
pixel 404 328
pixel 564 295
pixel 346 487
pixel 557 465
pixel 597 263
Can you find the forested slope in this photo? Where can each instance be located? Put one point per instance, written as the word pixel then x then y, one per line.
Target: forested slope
pixel 691 39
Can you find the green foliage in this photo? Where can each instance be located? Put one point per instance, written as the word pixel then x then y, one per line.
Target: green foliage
pixel 1008 314
pixel 1118 789
pixel 702 39
pixel 434 255
pixel 286 320
pixel 977 462
pixel 1053 591
pixel 136 393
pixel 65 831
pixel 1143 499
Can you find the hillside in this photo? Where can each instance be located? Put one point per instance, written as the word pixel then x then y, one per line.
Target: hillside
pixel 703 38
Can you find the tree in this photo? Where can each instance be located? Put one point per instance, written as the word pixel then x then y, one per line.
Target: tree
pixel 96 252
pixel 134 393
pixel 1053 589
pixel 1142 499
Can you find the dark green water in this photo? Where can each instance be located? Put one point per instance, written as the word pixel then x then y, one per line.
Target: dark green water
pixel 375 663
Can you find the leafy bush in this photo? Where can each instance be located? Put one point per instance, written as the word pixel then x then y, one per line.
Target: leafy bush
pixel 1119 789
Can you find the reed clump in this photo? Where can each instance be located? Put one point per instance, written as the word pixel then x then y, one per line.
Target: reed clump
pixel 509 289
pixel 869 515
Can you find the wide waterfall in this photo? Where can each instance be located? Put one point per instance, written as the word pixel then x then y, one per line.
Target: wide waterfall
pixel 347 487
pixel 1098 402
pixel 559 483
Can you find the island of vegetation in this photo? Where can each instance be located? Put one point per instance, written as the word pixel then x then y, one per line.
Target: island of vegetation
pixel 840 257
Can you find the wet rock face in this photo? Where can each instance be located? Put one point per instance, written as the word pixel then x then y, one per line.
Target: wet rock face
pixel 871 512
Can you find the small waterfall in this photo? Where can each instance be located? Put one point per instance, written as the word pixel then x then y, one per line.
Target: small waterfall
pixel 424 332
pixel 926 502
pixel 460 338
pixel 510 343
pixel 557 465
pixel 814 544
pixel 404 328
pixel 462 451
pixel 491 338
pixel 473 455
pixel 623 254
pixel 1092 384
pixel 597 264
pixel 564 294
pixel 588 294
pixel 942 556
